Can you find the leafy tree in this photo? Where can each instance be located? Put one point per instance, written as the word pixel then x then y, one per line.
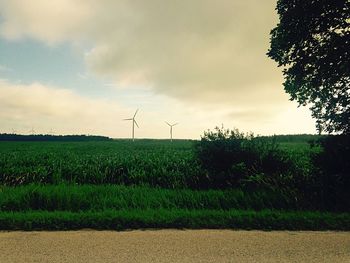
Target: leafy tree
pixel 312 44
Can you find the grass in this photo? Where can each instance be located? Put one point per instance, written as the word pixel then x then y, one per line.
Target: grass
pixel 147 184
pixel 60 207
pixel 157 163
pixel 152 162
pixel 76 198
pixel 191 219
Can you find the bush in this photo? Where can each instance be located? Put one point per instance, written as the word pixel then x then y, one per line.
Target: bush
pixel 232 158
pixel 333 172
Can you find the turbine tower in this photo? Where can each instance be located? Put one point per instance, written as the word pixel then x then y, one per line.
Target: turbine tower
pixel 32 131
pixel 51 132
pixel 133 124
pixel 171 129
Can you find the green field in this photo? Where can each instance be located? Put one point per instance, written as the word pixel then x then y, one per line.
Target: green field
pixel 145 162
pixel 150 183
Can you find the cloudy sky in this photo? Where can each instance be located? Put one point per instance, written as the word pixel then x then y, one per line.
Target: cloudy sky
pixel 81 66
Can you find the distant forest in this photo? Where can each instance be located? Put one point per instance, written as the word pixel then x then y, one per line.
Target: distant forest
pixel 294 137
pixel 54 138
pixel 84 138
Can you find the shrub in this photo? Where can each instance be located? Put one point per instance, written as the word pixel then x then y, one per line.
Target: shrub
pixel 333 172
pixel 232 158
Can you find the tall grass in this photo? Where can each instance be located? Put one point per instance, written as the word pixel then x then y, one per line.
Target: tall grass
pixel 77 198
pixel 136 219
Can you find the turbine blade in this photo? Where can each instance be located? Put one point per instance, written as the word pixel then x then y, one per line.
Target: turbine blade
pixel 136 112
pixel 175 124
pixel 168 123
pixel 128 119
pixel 136 124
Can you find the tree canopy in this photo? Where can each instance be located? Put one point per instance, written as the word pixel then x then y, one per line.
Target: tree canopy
pixel 312 44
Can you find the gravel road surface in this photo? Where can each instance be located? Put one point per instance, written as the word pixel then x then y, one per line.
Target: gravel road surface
pixel 174 246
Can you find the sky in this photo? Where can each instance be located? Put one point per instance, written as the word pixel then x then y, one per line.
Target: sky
pixel 82 66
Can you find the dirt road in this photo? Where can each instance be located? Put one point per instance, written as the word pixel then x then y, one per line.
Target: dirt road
pixel 174 246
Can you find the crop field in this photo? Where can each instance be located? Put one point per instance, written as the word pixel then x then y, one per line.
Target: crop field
pixel 153 183
pixel 145 162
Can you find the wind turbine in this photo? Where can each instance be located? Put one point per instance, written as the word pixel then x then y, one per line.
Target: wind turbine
pixel 133 124
pixel 32 131
pixel 51 132
pixel 14 131
pixel 171 129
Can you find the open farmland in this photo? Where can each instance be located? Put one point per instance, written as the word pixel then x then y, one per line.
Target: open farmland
pixel 146 162
pixel 157 163
pixel 147 184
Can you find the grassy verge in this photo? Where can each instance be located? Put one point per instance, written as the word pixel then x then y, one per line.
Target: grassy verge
pixel 76 198
pixel 59 207
pixel 140 219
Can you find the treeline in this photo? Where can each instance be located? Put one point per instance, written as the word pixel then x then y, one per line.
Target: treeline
pixel 54 138
pixel 77 138
pixel 294 138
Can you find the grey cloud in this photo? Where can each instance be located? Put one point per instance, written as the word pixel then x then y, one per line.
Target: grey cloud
pixel 193 50
pixel 200 51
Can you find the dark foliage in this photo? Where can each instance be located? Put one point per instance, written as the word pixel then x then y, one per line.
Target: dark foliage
pixel 293 138
pixel 333 172
pixel 232 158
pixel 311 42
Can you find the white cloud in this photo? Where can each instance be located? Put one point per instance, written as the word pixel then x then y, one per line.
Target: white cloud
pixel 44 107
pixel 47 107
